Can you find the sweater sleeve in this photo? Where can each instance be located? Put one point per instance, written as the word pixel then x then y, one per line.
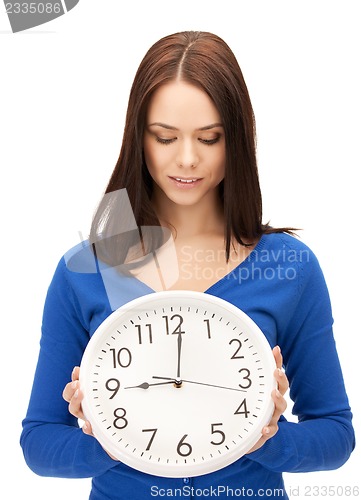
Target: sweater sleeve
pixel 52 442
pixel 323 437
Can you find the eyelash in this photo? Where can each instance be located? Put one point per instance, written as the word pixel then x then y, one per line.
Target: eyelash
pixel 164 141
pixel 207 142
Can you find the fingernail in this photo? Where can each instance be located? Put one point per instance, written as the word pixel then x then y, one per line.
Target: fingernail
pixel 266 430
pixel 278 394
pixel 85 427
pixel 280 372
pixel 76 394
pixel 74 384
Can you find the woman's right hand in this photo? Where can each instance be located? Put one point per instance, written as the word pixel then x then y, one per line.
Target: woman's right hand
pixel 73 396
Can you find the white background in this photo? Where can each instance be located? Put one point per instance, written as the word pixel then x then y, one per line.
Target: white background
pixel 63 93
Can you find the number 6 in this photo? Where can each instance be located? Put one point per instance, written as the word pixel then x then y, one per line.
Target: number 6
pixel 183 444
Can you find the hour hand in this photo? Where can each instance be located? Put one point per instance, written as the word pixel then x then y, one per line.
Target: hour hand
pixel 145 385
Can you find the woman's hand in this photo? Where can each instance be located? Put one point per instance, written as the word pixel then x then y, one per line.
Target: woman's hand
pixel 280 403
pixel 73 396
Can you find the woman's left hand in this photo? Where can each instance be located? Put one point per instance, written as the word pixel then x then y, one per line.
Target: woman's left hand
pixel 280 403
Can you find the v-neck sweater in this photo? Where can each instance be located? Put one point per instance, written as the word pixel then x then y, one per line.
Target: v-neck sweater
pixel 282 288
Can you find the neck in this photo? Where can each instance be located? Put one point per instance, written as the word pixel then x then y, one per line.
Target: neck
pixel 188 220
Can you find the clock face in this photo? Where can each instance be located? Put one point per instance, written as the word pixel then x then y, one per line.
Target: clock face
pixel 178 383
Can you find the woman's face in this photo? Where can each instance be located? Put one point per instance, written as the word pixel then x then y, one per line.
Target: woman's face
pixel 184 145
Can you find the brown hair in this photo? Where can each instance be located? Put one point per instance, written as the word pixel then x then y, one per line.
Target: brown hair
pixel 205 60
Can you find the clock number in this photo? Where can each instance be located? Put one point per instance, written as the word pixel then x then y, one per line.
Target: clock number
pixel 184 449
pixel 245 377
pixel 242 409
pixel 117 357
pixel 120 421
pixel 222 435
pixel 152 437
pixel 208 328
pixel 235 355
pixel 149 333
pixel 115 389
pixel 177 329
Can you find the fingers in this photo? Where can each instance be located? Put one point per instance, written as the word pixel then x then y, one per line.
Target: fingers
pixel 279 374
pixel 277 395
pixel 271 429
pixel 71 387
pixel 75 401
pixel 73 395
pixel 76 409
pixel 87 428
pixel 282 381
pixel 75 373
pixel 280 407
pixel 278 356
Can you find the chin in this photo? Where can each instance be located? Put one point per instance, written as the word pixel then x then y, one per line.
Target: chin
pixel 185 201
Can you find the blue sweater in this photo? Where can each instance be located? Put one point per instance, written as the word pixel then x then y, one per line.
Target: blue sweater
pixel 281 287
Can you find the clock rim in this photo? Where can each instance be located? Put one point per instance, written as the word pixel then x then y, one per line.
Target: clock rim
pixel 172 470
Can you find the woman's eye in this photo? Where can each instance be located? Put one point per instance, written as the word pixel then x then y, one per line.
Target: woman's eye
pixel 164 141
pixel 209 142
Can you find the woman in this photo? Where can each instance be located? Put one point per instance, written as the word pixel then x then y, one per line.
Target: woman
pixel 188 165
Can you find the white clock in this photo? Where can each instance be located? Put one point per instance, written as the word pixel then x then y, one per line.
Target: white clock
pixel 178 383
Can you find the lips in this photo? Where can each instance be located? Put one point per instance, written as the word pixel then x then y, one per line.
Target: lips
pixel 186 180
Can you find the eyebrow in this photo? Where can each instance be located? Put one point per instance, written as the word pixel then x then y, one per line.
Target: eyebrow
pixel 169 127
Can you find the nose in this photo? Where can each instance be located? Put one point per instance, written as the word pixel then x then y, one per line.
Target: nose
pixel 187 156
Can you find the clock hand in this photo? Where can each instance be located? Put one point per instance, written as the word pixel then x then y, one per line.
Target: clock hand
pixel 145 385
pixel 179 354
pixel 177 382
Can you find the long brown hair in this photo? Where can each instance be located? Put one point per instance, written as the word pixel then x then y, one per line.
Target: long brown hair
pixel 205 60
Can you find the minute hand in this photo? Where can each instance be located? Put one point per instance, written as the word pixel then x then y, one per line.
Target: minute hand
pixel 179 355
pixel 202 383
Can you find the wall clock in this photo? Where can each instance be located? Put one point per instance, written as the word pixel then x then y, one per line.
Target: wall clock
pixel 178 383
